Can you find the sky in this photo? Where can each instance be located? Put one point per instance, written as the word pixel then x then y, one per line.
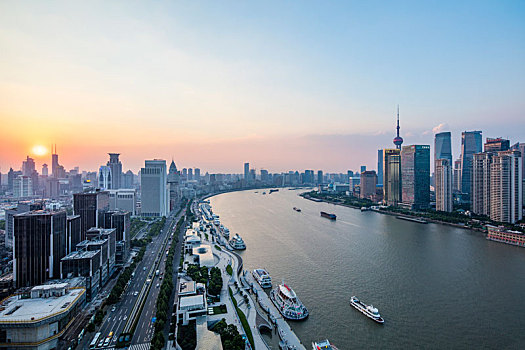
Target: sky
pixel 282 85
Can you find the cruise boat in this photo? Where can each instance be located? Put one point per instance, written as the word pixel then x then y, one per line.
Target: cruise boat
pixel 328 215
pixel 237 242
pixel 297 209
pixel 288 303
pixel 323 345
pixel 262 277
pixel 226 233
pixel 368 310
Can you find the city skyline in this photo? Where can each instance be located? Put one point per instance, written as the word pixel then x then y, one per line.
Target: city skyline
pixel 216 87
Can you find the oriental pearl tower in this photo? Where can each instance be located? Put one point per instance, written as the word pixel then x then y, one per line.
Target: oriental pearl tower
pixel 398 140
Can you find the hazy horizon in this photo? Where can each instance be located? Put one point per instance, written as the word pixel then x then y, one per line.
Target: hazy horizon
pixel 283 86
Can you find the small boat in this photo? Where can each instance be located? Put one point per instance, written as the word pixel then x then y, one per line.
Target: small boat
pixel 368 310
pixel 274 190
pixel 297 209
pixel 366 208
pixel 323 345
pixel 262 277
pixel 237 243
pixel 288 304
pixel 328 215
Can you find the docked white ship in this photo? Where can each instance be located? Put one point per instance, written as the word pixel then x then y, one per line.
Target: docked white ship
pixel 368 310
pixel 288 303
pixel 237 242
pixel 262 277
pixel 323 345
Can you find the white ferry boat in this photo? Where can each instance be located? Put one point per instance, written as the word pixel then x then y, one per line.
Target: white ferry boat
pixel 226 233
pixel 237 242
pixel 368 310
pixel 288 303
pixel 262 277
pixel 323 345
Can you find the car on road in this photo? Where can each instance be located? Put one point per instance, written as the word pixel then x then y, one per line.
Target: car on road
pixel 113 308
pixel 136 293
pixel 158 285
pixel 144 269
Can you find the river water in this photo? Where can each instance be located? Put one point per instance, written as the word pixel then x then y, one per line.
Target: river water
pixel 437 287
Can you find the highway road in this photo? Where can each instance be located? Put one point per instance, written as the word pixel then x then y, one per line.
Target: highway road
pixel 118 315
pixel 145 327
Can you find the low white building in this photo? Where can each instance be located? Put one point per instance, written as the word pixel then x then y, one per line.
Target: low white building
pixel 191 307
pixel 36 319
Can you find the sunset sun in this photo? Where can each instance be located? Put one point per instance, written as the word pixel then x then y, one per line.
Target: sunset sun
pixel 39 150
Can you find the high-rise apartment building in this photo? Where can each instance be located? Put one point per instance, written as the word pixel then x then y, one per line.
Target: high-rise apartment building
pixel 190 174
pixel 521 147
pixel 443 147
pixel 392 176
pixel 197 174
pixel 319 177
pixel 480 196
pixel 39 244
pixel 380 166
pixel 506 187
pixel 116 171
pixel 154 191
pixel 90 205
pixel 443 186
pixel 415 176
pixel 368 184
pixel 456 178
pixel 470 144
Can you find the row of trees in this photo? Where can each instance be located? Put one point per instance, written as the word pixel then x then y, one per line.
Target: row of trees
pixel 230 337
pixel 215 281
pixel 166 289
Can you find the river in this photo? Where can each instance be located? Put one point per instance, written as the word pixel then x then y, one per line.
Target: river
pixel 436 286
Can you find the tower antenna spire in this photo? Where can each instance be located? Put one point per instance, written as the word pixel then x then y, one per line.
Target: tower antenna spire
pixel 398 140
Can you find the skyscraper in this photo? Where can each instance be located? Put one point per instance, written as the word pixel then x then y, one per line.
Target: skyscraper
pixel 496 145
pixel 246 171
pixel 116 171
pixel 28 166
pixel 190 174
pixel 521 147
pixel 90 205
pixel 54 162
pixel 380 166
pixel 39 244
pixel 173 184
pixel 470 144
pixel 105 177
pixel 319 177
pixel 368 185
pixel 415 176
pixel 155 196
pixel 506 187
pixel 197 174
pixel 45 170
pixel 392 176
pixel 443 147
pixel 443 186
